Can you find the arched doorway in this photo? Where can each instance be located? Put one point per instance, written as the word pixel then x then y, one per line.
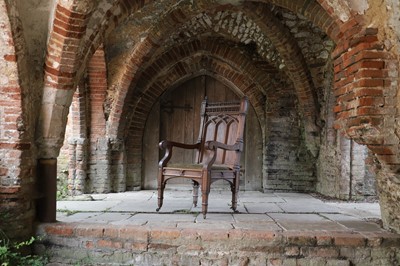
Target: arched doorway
pixel 175 116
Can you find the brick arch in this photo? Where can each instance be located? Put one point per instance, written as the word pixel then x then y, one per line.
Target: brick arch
pixel 362 84
pixel 177 75
pixel 305 91
pixel 179 72
pixel 209 47
pixel 70 22
pixel 69 49
pixel 107 19
pixel 364 90
pixel 365 86
pixel 231 68
pixel 60 72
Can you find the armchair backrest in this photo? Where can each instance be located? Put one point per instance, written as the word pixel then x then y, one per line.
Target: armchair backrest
pixel 223 122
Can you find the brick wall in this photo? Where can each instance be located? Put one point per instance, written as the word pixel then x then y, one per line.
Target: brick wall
pixel 287 163
pixel 365 84
pixel 110 244
pixel 17 151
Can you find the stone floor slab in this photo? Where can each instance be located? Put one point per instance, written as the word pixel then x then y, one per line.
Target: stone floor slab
pixel 86 206
pixel 300 206
pixel 108 217
pixel 259 197
pixel 254 218
pixel 75 217
pixel 354 223
pixel 301 222
pixel 361 209
pixel 262 207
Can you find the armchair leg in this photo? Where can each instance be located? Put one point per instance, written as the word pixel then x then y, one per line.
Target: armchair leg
pixel 160 197
pixel 161 186
pixel 205 190
pixel 234 189
pixel 195 193
pixel 234 198
pixel 205 204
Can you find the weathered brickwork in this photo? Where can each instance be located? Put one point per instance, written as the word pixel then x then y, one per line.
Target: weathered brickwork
pixel 321 75
pixel 140 245
pixel 337 161
pixel 289 166
pixel 17 150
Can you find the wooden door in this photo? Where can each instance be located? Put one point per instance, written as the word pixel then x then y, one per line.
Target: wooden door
pixel 179 120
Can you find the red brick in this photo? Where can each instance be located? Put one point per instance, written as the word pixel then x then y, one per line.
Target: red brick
pixel 68 13
pixel 372 73
pixel 111 231
pixel 389 159
pixel 371 64
pixel 10 57
pixel 60 230
pixel 136 246
pixel 214 235
pixel 18 146
pixel 343 115
pixel 370 83
pixel 300 238
pixel 342 99
pixel 165 233
pixel 67 33
pixel 191 234
pixel 69 27
pixel 350 24
pixel 89 231
pixel 292 251
pixel 371 101
pixel 374 111
pixel 368 92
pixel 324 240
pixel 134 233
pixel 158 246
pixel 320 252
pixel 384 149
pixel 10 189
pixel 89 244
pixel 342 90
pixel 349 240
pixel 104 243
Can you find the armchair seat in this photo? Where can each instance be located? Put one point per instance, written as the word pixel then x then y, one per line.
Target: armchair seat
pixel 219 147
pixel 197 166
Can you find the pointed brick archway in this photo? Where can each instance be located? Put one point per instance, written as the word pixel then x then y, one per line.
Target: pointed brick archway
pixel 358 112
pixel 365 85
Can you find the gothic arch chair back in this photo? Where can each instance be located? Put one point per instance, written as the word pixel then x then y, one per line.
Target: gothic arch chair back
pixel 219 147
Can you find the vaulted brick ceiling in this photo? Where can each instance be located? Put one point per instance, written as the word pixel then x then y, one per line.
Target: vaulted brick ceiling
pixel 151 43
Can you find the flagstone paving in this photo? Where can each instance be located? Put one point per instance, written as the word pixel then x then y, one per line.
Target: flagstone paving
pixel 256 210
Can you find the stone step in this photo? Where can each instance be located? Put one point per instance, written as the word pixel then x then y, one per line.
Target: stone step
pixel 212 244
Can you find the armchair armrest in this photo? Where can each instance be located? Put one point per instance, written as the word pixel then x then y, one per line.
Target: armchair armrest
pixel 213 145
pixel 168 145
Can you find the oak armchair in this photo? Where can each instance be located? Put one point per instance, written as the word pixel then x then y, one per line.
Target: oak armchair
pixel 219 146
